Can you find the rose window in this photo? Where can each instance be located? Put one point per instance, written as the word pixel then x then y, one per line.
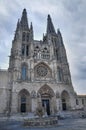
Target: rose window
pixel 42 71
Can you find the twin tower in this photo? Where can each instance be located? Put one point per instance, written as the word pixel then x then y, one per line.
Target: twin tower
pixel 38 71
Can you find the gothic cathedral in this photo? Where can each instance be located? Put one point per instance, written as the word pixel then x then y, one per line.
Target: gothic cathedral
pixel 38 72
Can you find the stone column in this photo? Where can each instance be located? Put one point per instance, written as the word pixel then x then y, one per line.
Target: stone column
pixel 34 104
pixel 14 103
pixel 58 104
pixel 53 106
pixel 32 69
pixel 34 101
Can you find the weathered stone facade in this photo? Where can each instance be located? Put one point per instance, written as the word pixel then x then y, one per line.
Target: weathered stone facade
pixel 38 73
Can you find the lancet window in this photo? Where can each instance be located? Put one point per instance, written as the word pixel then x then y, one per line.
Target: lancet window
pixel 59 74
pixel 24 72
pixel 25 50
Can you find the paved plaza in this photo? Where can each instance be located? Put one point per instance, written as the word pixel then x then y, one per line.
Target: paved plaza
pixel 66 124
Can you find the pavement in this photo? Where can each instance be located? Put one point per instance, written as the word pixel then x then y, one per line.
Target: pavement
pixel 66 124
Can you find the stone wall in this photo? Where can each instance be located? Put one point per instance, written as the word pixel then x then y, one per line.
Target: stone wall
pixel 3 90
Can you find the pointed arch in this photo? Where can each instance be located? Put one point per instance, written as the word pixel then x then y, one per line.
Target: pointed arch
pixel 24 104
pixel 47 95
pixel 65 97
pixel 45 90
pixel 24 91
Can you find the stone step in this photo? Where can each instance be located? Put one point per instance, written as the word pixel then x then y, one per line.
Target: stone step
pixel 71 114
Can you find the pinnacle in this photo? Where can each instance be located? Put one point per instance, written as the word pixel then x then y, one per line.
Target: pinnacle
pixel 50 26
pixel 24 20
pixel 24 10
pixel 31 26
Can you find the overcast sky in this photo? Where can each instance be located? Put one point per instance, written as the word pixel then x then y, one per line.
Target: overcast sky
pixel 68 15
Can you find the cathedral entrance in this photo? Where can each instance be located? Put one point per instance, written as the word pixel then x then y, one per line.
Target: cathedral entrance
pixel 23 108
pixel 65 100
pixel 64 107
pixel 24 101
pixel 23 104
pixel 46 105
pixel 47 95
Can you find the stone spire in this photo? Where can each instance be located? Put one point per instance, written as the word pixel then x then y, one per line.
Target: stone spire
pixel 31 30
pixel 31 26
pixel 17 29
pixel 24 21
pixel 18 25
pixel 50 27
pixel 59 37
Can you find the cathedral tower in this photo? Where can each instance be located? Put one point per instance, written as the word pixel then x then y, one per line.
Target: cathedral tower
pixel 39 71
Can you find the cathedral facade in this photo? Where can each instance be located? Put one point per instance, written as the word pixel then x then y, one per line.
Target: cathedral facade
pixel 38 72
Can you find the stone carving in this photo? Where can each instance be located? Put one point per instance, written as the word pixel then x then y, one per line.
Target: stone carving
pixel 33 94
pixel 46 90
pixel 42 70
pixel 38 95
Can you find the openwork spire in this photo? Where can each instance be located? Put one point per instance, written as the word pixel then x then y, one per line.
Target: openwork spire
pixel 18 25
pixel 31 26
pixel 17 29
pixel 31 30
pixel 58 32
pixel 60 37
pixel 24 21
pixel 50 27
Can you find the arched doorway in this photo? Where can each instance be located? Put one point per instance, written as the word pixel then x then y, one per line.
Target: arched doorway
pixel 46 104
pixel 24 101
pixel 46 96
pixel 65 100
